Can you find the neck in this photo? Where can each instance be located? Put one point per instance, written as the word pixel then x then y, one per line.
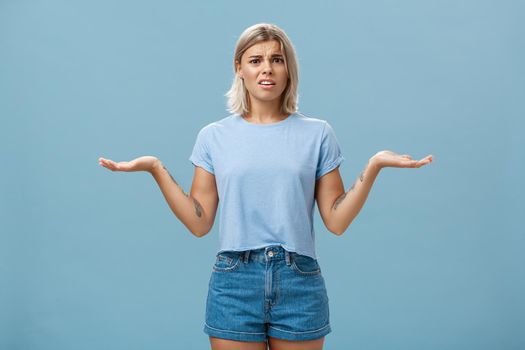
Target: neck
pixel 263 112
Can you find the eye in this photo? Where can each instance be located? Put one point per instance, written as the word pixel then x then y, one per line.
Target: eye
pixel 253 61
pixel 278 59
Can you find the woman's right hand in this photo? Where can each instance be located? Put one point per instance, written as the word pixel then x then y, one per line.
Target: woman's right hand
pixel 145 163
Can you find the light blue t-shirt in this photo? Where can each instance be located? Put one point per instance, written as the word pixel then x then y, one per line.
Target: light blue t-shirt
pixel 265 175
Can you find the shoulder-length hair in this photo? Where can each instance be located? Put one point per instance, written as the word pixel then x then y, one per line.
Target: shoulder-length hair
pixel 238 101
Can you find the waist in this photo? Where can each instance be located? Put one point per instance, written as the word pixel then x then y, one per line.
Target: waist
pixel 271 252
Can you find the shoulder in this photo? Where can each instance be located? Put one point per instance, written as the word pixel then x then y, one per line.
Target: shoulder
pixel 210 128
pixel 306 118
pixel 314 123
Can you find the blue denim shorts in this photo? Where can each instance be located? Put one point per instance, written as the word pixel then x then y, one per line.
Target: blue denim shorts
pixel 266 292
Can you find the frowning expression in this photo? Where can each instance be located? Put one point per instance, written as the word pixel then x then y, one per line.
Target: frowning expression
pixel 264 71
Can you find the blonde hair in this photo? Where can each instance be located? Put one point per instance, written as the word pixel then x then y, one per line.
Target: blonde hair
pixel 238 95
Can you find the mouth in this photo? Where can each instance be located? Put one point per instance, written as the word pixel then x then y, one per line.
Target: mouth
pixel 266 83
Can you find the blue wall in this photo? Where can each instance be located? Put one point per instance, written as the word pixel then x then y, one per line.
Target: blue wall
pixel 91 259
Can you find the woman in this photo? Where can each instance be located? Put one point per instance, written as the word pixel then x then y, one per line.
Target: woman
pixel 267 163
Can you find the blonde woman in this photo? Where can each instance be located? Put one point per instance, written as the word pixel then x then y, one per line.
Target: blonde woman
pixel 268 164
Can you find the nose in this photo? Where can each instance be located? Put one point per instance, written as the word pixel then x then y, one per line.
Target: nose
pixel 267 68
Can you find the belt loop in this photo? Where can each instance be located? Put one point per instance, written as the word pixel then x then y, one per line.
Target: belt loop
pixel 287 256
pixel 246 256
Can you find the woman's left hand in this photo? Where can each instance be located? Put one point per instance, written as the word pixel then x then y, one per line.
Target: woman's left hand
pixel 387 158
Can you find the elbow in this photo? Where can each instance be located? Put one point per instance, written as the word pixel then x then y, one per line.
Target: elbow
pixel 201 232
pixel 197 234
pixel 195 230
pixel 337 230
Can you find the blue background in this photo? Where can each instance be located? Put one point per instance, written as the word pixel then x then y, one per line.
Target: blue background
pixel 94 259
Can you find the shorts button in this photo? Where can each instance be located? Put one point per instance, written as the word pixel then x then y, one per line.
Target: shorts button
pixel 270 254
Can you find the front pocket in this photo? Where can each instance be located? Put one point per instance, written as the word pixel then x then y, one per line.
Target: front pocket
pixel 226 262
pixel 305 265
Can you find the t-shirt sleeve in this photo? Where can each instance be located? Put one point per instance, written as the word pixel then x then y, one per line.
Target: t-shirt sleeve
pixel 200 156
pixel 330 156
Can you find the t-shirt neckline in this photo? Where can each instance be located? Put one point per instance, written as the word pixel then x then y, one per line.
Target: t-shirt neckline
pixel 271 125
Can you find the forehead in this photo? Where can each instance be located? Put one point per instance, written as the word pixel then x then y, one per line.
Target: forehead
pixel 264 48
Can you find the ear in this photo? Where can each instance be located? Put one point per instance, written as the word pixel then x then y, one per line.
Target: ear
pixel 238 68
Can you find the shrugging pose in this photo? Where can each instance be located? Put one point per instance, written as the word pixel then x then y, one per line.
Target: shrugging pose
pixel 265 165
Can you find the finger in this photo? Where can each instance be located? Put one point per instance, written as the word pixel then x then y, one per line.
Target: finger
pixel 416 163
pixel 408 163
pixel 422 162
pixel 111 164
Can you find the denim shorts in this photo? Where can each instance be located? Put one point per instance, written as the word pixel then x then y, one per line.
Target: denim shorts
pixel 266 292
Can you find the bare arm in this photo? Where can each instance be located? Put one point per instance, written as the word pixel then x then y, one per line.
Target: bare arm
pixel 197 210
pixel 349 204
pixel 339 208
pixel 190 211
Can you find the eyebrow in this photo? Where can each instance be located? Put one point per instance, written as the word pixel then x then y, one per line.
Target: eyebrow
pixel 259 56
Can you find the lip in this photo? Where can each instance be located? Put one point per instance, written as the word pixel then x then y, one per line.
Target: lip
pixel 268 80
pixel 266 87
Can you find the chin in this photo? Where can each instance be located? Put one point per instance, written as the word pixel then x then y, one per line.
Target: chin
pixel 267 97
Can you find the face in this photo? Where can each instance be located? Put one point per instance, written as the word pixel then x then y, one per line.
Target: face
pixel 264 72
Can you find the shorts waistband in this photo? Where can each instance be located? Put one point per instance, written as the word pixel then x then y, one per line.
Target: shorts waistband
pixel 273 252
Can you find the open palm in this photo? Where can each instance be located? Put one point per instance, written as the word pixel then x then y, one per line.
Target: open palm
pixel 391 159
pixel 145 163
